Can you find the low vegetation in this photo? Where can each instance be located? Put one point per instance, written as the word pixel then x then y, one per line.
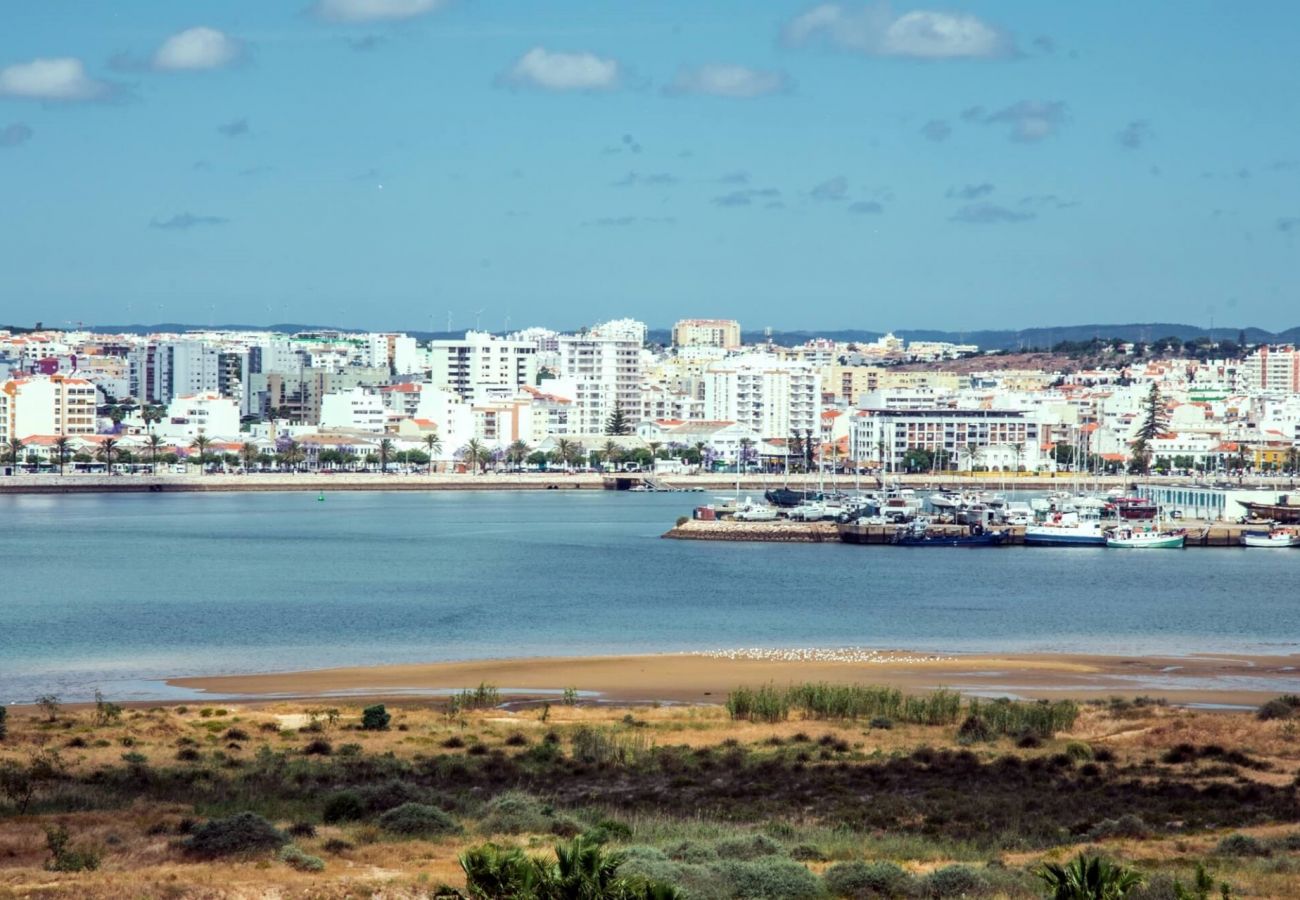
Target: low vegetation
pixel 814 791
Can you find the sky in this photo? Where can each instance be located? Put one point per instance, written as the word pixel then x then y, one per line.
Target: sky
pixel 425 164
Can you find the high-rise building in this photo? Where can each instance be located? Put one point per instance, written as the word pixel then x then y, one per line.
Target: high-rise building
pixel 604 368
pixel 774 397
pixel 46 405
pixel 481 364
pixel 1272 369
pixel 724 333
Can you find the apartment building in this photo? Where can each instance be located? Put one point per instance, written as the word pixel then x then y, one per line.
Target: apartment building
pixel 56 405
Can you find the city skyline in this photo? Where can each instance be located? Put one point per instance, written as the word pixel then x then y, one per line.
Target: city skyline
pixel 383 163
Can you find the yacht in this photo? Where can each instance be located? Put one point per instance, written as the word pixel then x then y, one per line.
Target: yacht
pixel 1275 538
pixel 1066 529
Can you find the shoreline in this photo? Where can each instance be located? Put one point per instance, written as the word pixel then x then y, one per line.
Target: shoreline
pixel 1211 680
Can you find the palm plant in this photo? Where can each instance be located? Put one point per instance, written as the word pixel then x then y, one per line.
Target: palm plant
pixel 973 453
pixel 654 448
pixel 107 450
pixel 385 451
pixel 292 455
pixel 475 454
pixel 61 452
pixel 13 448
pixel 249 453
pixel 517 452
pixel 201 444
pixel 433 445
pixel 611 453
pixel 1089 878
pixel 155 444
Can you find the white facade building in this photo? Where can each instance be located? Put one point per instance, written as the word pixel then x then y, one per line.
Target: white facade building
pixel 482 365
pixel 46 405
pixel 357 409
pixel 208 414
pixel 604 374
pixel 774 397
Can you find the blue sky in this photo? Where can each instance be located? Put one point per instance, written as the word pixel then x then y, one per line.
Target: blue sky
pixel 391 163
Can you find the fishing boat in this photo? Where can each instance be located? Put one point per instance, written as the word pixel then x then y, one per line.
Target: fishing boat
pixel 1129 538
pixel 1133 508
pixel 1066 530
pixel 918 535
pixel 1274 538
pixel 1285 511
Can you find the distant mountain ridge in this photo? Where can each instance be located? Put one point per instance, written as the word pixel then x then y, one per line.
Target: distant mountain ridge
pixel 988 339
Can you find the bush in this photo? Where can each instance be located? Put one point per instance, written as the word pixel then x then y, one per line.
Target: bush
pixel 236 734
pixel 4 715
pixel 345 806
pixel 303 862
pixel 302 830
pixel 1126 826
pixel 188 754
pixel 338 845
pixel 418 820
pixel 750 847
pixel 515 812
pixel 1275 709
pixel 974 730
pixel 244 832
pixel 691 852
pixel 953 881
pixel 808 853
pixel 1078 750
pixel 318 747
pixel 389 794
pixel 773 877
pixel 881 723
pixel 517 739
pixel 861 879
pixel 1241 845
pixel 455 742
pixel 375 718
pixel 63 858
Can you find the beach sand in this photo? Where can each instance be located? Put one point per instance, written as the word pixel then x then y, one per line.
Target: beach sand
pixel 1230 681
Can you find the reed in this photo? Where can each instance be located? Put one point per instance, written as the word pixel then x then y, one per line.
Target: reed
pixel 1042 718
pixel 821 700
pixel 485 696
pixel 764 704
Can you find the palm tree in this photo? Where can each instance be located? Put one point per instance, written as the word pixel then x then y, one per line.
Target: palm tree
pixel 201 444
pixel 475 453
pixel 517 452
pixel 746 451
pixel 611 453
pixel 654 448
pixel 13 448
pixel 385 451
pixel 249 452
pixel 107 450
pixel 1019 451
pixel 564 451
pixel 292 455
pixel 699 448
pixel 155 443
pixel 61 451
pixel 1089 878
pixel 972 453
pixel 432 444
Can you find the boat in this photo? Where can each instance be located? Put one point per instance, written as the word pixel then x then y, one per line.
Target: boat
pixel 1274 538
pixel 754 512
pixel 945 501
pixel 1135 508
pixel 788 498
pixel 1066 530
pixel 1128 538
pixel 1285 511
pixel 918 535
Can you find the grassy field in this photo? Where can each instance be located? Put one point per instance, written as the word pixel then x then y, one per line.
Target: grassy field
pixel 811 793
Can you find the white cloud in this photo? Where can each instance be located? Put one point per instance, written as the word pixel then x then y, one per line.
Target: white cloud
pixel 724 80
pixel 921 34
pixel 196 48
pixel 63 78
pixel 556 71
pixel 1030 120
pixel 374 10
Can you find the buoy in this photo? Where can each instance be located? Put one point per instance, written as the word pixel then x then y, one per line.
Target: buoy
pixel 321 498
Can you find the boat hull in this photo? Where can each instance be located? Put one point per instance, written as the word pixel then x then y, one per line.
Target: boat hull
pixel 991 539
pixel 1270 541
pixel 1169 542
pixel 1064 540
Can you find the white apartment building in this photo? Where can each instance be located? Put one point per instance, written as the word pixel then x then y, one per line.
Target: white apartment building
pixel 771 396
pixel 482 365
pixel 605 374
pixel 1271 369
pixel 356 409
pixel 207 413
pixel 1003 438
pixel 721 333
pixel 46 405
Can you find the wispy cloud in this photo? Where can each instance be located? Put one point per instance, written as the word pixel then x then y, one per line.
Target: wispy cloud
pixel 1030 120
pixel 989 214
pixel 15 134
pixel 1133 135
pixel 936 130
pixel 747 197
pixel 627 144
pixel 1289 224
pixel 725 80
pixel 654 179
pixel 59 79
pixel 357 11
pixel 875 30
pixel 550 70
pixel 367 43
pixel 737 177
pixel 832 189
pixel 969 191
pixel 624 221
pixel 1047 201
pixel 234 128
pixel 866 208
pixel 184 221
pixel 196 49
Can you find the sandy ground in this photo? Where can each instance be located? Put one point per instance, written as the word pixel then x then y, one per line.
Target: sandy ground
pixel 1210 680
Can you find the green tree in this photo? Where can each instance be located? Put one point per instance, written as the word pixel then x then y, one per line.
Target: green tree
pixel 13 449
pixel 106 452
pixel 618 423
pixel 201 444
pixel 611 453
pixel 61 450
pixel 1018 450
pixel 476 455
pixel 1089 878
pixel 432 444
pixel 249 453
pixel 291 454
pixel 385 451
pixel 517 453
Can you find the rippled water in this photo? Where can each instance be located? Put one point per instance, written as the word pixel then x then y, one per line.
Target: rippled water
pixel 120 591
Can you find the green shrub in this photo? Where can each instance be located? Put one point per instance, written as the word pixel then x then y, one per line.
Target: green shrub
pixel 1126 826
pixel 516 812
pixel 974 730
pixel 953 881
pixel 375 718
pixel 1241 845
pixel 764 704
pixel 418 820
pixel 63 858
pixel 771 878
pixel 301 861
pixel 344 806
pixel 485 696
pixel 862 879
pixel 692 852
pixel 244 832
pixel 318 747
pixel 387 794
pixel 749 847
pixel 807 853
pixel 1277 708
pixel 881 723
pixel 4 715
pixel 1078 750
pixel 607 745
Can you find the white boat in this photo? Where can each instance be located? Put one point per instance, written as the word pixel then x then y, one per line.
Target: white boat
pixel 1276 538
pixel 1066 530
pixel 810 512
pixel 945 501
pixel 1143 539
pixel 755 512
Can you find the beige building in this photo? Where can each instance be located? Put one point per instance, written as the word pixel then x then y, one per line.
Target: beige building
pixel 46 405
pixel 850 383
pixel 724 333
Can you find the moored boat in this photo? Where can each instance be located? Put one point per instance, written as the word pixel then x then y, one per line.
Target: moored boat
pixel 1276 538
pixel 1066 530
pixel 918 535
pixel 1146 539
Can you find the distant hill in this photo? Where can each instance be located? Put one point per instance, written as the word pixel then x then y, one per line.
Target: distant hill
pixel 986 340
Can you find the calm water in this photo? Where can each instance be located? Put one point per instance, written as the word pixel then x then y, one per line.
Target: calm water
pixel 119 591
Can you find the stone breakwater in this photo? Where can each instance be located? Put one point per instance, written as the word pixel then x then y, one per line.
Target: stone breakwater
pixel 775 532
pixel 823 654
